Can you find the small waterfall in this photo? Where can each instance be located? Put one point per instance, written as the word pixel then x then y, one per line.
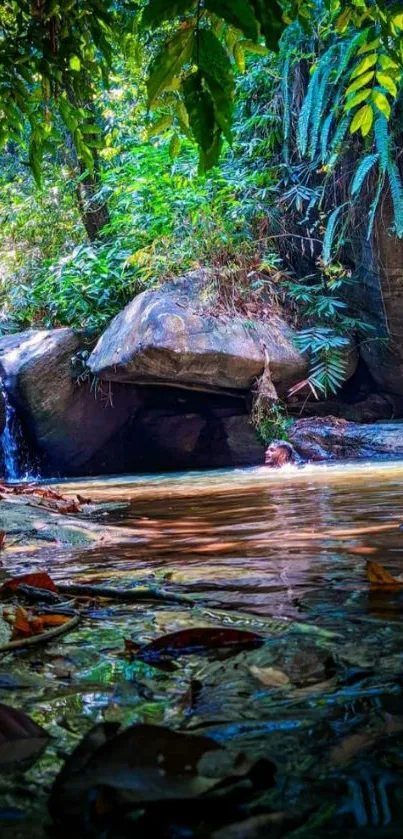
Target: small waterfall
pixel 14 456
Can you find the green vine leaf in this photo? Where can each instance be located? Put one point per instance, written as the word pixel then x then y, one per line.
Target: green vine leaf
pixel 175 53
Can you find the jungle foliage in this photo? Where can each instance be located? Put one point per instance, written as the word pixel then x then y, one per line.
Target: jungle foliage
pixel 294 108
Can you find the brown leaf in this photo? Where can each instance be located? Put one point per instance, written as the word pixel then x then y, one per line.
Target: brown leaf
pixel 20 737
pixel 38 579
pixel 362 550
pixel 201 639
pixel 22 627
pixel 2 539
pixel 378 576
pixel 270 677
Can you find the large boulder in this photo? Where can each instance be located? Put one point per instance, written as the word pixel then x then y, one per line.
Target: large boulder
pixel 336 439
pixel 169 337
pixel 67 420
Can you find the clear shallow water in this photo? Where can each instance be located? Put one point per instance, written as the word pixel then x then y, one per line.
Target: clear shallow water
pixel 283 553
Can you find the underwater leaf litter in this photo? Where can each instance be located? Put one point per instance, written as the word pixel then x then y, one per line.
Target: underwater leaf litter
pixel 288 726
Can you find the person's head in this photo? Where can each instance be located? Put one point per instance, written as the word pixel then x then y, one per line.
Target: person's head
pixel 279 453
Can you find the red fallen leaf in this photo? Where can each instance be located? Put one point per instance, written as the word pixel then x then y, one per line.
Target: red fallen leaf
pixel 20 737
pixel 186 641
pixel 2 538
pixel 38 579
pixel 22 627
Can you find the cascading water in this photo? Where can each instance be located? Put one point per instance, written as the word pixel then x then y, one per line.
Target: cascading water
pixel 8 441
pixel 14 456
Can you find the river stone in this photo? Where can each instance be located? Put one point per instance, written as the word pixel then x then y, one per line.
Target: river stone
pixel 336 439
pixel 67 422
pixel 167 337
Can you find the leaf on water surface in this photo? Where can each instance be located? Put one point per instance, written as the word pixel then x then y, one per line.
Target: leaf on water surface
pixel 270 677
pixel 380 577
pixel 144 763
pixel 21 626
pixel 21 738
pixel 362 550
pixel 201 639
pixel 38 579
pixel 2 539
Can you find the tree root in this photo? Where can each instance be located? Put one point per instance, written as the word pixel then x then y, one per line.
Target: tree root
pixel 127 595
pixel 42 638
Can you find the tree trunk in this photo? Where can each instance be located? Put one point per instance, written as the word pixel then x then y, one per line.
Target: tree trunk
pixel 93 211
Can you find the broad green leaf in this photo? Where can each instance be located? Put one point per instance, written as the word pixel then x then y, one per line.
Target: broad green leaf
pixel 174 146
pixel 359 97
pixel 373 45
pixel 169 62
pixel 250 46
pixel 200 108
pixel 157 11
pixel 385 81
pixel 365 65
pixel 397 20
pixel 213 60
pixel 75 63
pixel 381 103
pixel 362 120
pixel 210 158
pixel 270 17
pixel 223 107
pixel 239 56
pixel 361 82
pixel 238 13
pixel 160 126
pixel 387 63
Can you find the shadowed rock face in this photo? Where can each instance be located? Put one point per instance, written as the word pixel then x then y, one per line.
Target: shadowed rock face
pixel 335 439
pixel 78 430
pixel 165 337
pixel 66 422
pixel 2 412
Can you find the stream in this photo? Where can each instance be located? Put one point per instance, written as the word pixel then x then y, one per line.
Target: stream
pixel 282 553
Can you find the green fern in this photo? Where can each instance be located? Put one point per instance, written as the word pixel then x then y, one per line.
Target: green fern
pixel 319 105
pixel 374 206
pixel 396 188
pixel 339 135
pixel 305 113
pixel 324 137
pixel 329 233
pixel 363 169
pixel 382 141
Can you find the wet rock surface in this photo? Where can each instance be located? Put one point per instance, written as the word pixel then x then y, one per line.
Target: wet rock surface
pixel 328 438
pixel 169 337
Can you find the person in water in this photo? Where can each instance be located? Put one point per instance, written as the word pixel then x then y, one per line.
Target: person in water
pixel 279 453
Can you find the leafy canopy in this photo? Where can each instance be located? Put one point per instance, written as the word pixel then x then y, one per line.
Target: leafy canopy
pixel 54 53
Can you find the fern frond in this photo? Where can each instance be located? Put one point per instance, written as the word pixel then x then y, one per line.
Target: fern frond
pixel 361 172
pixel 324 137
pixel 374 206
pixel 329 233
pixel 286 98
pixel 339 135
pixel 396 188
pixel 348 50
pixel 305 113
pixel 319 105
pixel 382 141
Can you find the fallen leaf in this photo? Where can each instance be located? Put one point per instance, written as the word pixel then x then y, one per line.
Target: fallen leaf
pixel 200 639
pixel 362 550
pixel 38 579
pixel 21 627
pixel 379 576
pixel 2 539
pixel 21 739
pixel 270 677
